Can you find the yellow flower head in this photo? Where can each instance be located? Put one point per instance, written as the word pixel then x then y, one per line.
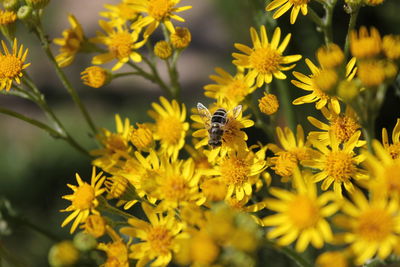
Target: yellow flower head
pixel 342 126
pixel 163 49
pixel 117 254
pixel 268 104
pixel 119 14
pixel 170 125
pixel 285 5
pixel 12 65
pixel 229 88
pixel 95 76
pixel 372 226
pixel 157 238
pixel 300 215
pixel 391 46
pixel 142 137
pixel 203 248
pixel 265 59
pixel 332 259
pixel 7 17
pixel 364 44
pixel 181 38
pixel 121 44
pixel 71 42
pixel 313 84
pixel 157 11
pixel 394 148
pixel 63 253
pixel 330 56
pixel 84 199
pixel 337 164
pixel 371 73
pixel 293 149
pixel 95 225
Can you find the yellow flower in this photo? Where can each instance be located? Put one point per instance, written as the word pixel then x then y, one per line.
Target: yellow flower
pixel 142 137
pixel 384 170
pixel 330 56
pixel 391 46
pixel 332 259
pixel 119 14
pixel 240 170
pixel 71 42
pixel 294 149
pixel 163 49
pixel 394 148
pixel 170 125
pixel 364 44
pixel 336 163
pixel 203 249
pixel 117 254
pixel 94 76
pixel 181 38
pixel 371 73
pixel 12 65
pixel 84 199
pixel 342 126
pixel 63 253
pixel 158 11
pixel 373 226
pixel 268 104
pixel 7 17
pixel 95 225
pixel 285 5
pixel 265 59
pixel 231 88
pixel 308 83
pixel 157 238
pixel 177 184
pixel 300 215
pixel 121 44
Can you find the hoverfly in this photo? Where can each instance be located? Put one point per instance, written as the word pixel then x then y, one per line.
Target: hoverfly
pixel 216 122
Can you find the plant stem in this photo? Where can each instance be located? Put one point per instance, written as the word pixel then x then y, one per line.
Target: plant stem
pixel 104 206
pixel 290 253
pixel 117 75
pixel 325 23
pixel 352 24
pixel 63 78
pixel 286 102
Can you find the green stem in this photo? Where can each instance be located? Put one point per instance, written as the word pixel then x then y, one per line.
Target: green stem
pixel 290 253
pixel 61 75
pixel 352 24
pixel 104 206
pixel 154 76
pixel 325 23
pixel 286 103
pixel 117 75
pixel 174 76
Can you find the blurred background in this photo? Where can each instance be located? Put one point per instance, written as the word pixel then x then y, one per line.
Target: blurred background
pixel 35 168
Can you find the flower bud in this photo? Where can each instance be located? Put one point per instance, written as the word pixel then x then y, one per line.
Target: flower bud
pixel 84 241
pixel 63 254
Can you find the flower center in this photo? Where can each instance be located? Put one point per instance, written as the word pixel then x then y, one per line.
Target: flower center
pixel 115 142
pixel 391 175
pixel 284 162
pixel 72 42
pixel 339 165
pixel 232 132
pixel 170 130
pixel 394 150
pixel 160 9
pixel 299 2
pixel 160 240
pixel 375 225
pixel 120 45
pixel 234 171
pixel 265 60
pixel 10 66
pixel 236 90
pixel 344 127
pixel 7 17
pixel 174 188
pixel 84 197
pixel 117 254
pixel 303 212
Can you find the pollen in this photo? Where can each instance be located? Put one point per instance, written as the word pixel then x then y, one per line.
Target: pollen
pixel 340 166
pixel 303 212
pixel 234 171
pixel 375 225
pixel 265 60
pixel 344 127
pixel 174 188
pixel 326 79
pixel 7 17
pixel 170 130
pixel 83 197
pixel 10 66
pixel 268 104
pixel 160 240
pixel 394 150
pixel 94 76
pixel 160 9
pixel 120 45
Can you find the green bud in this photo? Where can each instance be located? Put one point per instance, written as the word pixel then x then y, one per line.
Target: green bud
pixel 84 241
pixel 63 254
pixel 37 4
pixel 11 4
pixel 24 12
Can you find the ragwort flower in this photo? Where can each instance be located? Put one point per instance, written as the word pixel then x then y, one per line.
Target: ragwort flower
pixel 394 148
pixel 285 5
pixel 300 215
pixel 84 199
pixel 121 44
pixel 158 11
pixel 265 59
pixel 12 65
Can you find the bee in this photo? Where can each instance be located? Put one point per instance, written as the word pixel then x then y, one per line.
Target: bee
pixel 216 122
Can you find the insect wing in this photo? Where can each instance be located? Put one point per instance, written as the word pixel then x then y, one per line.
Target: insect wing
pixel 236 111
pixel 204 113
